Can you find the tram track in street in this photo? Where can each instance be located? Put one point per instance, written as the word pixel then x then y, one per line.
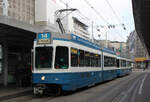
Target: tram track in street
pixel 128 87
pixel 110 91
pixel 116 87
pixel 132 90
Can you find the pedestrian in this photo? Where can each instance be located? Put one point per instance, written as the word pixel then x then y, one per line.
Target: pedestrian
pixel 19 74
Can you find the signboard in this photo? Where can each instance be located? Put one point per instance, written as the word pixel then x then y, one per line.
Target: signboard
pixel 140 59
pixel 43 38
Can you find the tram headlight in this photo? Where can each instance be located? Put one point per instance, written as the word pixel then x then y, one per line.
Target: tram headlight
pixel 43 78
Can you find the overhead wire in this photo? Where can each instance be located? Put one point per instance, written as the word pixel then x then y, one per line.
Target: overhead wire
pixel 99 14
pixel 82 16
pixel 119 20
pixel 113 11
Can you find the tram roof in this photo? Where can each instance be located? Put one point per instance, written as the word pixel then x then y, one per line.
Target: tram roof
pixel 124 58
pixel 76 39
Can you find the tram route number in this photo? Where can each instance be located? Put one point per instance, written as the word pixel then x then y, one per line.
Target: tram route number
pixel 43 38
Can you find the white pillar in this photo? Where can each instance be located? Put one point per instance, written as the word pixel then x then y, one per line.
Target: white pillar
pixel 5 7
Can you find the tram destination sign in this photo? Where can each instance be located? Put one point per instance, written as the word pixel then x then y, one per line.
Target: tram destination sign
pixel 43 38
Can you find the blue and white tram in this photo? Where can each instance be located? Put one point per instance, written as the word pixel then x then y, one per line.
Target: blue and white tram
pixel 124 65
pixel 109 65
pixel 68 62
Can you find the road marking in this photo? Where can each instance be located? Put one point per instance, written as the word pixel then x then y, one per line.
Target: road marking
pixel 129 91
pixel 141 86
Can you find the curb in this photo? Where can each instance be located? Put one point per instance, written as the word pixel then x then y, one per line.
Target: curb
pixel 18 94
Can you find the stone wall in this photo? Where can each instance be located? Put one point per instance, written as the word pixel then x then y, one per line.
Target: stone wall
pixel 22 10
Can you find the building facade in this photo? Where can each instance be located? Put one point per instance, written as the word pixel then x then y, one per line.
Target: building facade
pixel 136 50
pixel 80 29
pixel 131 45
pixel 20 20
pixel 119 47
pixel 46 14
pixel 22 10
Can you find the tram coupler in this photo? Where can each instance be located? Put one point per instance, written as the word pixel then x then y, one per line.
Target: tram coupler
pixel 39 89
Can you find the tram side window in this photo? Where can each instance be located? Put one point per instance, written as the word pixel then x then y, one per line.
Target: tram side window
pixel 128 64
pixel 74 57
pixel 113 61
pixel 109 61
pixel 98 58
pixel 61 57
pixel 93 60
pixel 106 61
pixel 87 59
pixel 81 58
pixel 123 63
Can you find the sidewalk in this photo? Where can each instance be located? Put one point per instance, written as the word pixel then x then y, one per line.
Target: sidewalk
pixel 8 93
pixel 137 70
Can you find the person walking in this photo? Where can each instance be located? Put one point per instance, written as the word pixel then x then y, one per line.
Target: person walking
pixel 19 73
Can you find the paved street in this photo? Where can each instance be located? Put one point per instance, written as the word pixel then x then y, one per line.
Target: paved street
pixel 131 88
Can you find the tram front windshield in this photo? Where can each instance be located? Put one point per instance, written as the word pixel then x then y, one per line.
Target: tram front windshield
pixel 43 57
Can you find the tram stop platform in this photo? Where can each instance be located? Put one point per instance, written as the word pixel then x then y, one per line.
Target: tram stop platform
pixel 8 93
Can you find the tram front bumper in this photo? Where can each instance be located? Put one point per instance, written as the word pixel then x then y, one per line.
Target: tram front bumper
pixel 39 89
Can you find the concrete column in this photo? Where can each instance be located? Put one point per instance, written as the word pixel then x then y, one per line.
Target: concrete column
pixel 5 64
pixel 5 7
